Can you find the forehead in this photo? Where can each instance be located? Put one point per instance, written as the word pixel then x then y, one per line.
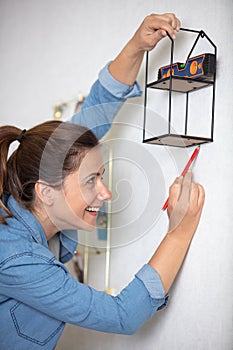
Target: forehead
pixel 92 162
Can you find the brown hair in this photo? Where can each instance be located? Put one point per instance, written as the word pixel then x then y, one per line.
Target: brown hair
pixel 49 152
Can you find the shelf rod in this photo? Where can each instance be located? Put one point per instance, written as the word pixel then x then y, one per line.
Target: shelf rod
pixel 186 114
pixel 109 217
pixel 145 96
pixel 170 86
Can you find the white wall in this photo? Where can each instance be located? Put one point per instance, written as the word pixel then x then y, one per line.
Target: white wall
pixel 50 51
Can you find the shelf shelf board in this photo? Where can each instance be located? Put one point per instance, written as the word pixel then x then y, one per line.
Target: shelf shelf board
pixel 180 84
pixel 177 140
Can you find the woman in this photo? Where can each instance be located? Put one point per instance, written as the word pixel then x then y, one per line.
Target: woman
pixel 50 187
pixel 53 182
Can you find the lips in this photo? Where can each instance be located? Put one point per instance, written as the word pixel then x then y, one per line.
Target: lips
pixel 93 210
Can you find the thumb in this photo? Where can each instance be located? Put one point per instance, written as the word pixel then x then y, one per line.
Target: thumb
pixel 157 36
pixel 160 33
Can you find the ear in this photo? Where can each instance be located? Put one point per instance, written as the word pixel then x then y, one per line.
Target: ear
pixel 44 192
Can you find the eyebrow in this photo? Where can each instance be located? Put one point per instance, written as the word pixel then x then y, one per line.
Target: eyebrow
pixel 93 174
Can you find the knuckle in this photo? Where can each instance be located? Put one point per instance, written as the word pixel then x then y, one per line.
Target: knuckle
pixel 171 15
pixel 201 188
pixel 186 186
pixel 192 211
pixel 151 17
pixel 174 188
pixel 163 23
pixel 201 192
pixel 194 187
pixel 170 205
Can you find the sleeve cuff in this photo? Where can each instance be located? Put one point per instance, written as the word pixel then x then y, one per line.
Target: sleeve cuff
pixel 117 88
pixel 153 284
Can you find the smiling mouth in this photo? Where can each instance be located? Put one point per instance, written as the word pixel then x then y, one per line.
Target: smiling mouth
pixel 92 209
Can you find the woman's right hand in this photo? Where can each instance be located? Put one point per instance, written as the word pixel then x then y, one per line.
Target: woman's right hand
pixel 186 200
pixel 154 28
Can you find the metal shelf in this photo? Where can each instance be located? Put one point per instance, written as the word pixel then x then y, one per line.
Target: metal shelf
pixel 186 85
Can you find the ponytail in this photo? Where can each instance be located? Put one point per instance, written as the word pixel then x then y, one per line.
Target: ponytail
pixel 49 151
pixel 8 134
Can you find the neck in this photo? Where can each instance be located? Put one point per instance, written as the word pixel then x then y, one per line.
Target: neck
pixel 49 228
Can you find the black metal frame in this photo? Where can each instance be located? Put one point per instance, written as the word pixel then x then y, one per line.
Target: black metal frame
pixel 188 85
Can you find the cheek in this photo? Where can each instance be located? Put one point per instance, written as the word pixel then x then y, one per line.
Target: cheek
pixel 86 195
pixel 75 201
pixel 78 199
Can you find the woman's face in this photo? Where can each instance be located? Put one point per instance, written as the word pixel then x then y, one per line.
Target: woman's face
pixel 77 204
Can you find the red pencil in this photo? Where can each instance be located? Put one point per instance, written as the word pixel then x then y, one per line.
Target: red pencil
pixel 184 172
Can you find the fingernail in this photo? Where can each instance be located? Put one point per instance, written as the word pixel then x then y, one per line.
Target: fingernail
pixel 164 33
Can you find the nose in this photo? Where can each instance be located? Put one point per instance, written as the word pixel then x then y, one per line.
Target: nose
pixel 103 193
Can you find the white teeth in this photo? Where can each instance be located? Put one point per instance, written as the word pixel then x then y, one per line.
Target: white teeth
pixel 92 209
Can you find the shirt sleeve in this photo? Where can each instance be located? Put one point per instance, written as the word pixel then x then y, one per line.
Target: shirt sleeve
pixel 104 101
pixel 46 285
pixel 153 284
pixel 116 88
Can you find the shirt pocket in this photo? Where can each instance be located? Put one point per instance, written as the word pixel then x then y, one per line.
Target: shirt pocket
pixel 34 325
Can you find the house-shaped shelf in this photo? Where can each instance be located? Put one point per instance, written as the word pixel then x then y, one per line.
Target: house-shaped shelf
pixel 186 85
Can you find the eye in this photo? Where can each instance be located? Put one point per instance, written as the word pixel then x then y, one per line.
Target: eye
pixel 91 181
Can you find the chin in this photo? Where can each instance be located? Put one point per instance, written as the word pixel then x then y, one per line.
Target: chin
pixel 78 223
pixel 90 228
pixel 86 226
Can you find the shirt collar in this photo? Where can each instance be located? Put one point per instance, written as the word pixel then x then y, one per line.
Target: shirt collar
pixel 68 238
pixel 24 216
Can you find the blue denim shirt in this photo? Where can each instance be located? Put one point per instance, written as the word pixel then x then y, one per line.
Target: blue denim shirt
pixel 37 293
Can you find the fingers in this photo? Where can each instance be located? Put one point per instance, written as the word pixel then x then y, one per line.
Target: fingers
pixel 186 194
pixel 186 200
pixel 180 190
pixel 166 22
pixel 194 194
pixel 197 197
pixel 186 188
pixel 154 28
pixel 173 20
pixel 201 196
pixel 174 192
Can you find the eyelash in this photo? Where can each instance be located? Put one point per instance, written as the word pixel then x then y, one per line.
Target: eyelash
pixel 92 180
